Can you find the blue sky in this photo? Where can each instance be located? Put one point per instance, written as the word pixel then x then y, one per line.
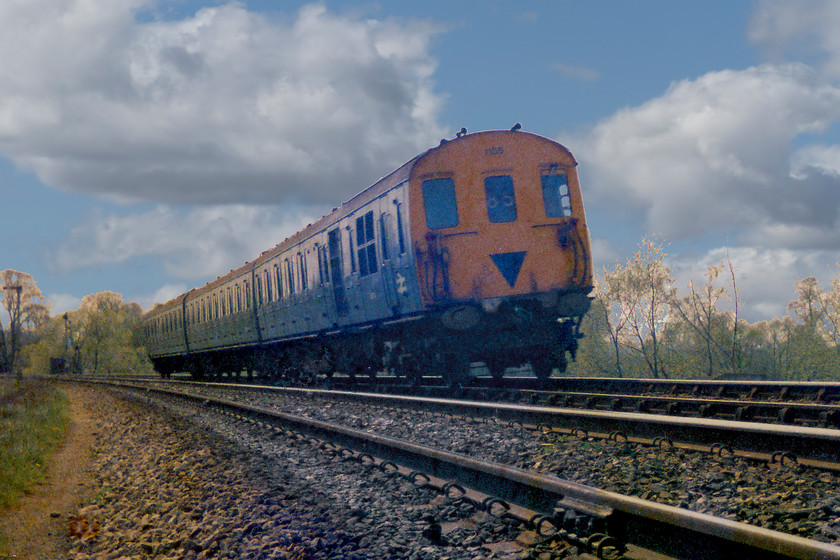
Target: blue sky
pixel 147 146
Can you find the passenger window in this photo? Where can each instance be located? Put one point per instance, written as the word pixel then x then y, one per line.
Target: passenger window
pixel 501 203
pixel 439 203
pixel 304 275
pixel 268 290
pixel 555 189
pixel 278 279
pixel 290 277
pixel 366 244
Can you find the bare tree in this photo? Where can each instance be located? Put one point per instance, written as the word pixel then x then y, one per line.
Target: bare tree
pixel 715 330
pixel 643 291
pixel 611 313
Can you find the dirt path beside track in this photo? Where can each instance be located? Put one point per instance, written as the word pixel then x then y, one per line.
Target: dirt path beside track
pixel 37 528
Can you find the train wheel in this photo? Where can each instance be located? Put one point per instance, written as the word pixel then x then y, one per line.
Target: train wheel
pixel 455 368
pixel 545 362
pixel 496 367
pixel 408 368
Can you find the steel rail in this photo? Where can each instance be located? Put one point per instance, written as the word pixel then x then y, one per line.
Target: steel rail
pixel 805 444
pixel 819 447
pixel 777 412
pixel 647 526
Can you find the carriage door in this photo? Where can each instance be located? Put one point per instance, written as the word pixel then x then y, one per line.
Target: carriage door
pixel 337 272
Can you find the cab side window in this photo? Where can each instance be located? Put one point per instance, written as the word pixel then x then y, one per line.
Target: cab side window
pixel 501 202
pixel 555 189
pixel 439 203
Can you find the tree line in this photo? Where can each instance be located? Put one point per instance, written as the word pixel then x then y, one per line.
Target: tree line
pixel 102 336
pixel 642 324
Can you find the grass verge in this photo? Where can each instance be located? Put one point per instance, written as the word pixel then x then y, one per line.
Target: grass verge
pixel 33 420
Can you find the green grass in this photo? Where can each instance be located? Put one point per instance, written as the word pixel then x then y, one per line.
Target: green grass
pixel 33 420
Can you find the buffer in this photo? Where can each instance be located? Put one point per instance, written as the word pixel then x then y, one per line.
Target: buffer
pixel 509 264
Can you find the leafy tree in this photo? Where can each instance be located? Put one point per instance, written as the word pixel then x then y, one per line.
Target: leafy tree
pixel 107 328
pixel 100 337
pixel 765 347
pixel 808 306
pixel 26 308
pixel 831 314
pixel 598 352
pixel 810 333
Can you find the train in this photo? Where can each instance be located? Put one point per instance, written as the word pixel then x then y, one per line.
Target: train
pixel 476 250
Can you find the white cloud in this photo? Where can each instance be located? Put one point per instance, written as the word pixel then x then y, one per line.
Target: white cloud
pixel 224 106
pixel 714 153
pixel 819 159
pixel 737 155
pixel 604 253
pixel 61 303
pixel 162 295
pixel 804 29
pixel 196 244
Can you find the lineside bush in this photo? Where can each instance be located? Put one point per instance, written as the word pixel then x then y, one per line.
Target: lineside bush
pixel 33 421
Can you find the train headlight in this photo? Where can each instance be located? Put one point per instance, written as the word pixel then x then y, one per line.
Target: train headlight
pixel 491 305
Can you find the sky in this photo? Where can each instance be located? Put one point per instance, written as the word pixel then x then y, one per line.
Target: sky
pixel 149 146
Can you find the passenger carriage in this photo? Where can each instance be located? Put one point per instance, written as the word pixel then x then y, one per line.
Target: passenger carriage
pixel 476 250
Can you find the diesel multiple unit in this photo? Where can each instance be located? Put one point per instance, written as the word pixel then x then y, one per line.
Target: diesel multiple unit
pixel 476 250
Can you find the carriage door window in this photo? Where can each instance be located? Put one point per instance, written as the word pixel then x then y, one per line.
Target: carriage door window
pixel 383 233
pixel 337 271
pixel 352 251
pixel 555 189
pixel 400 234
pixel 439 203
pixel 323 265
pixel 366 244
pixel 501 203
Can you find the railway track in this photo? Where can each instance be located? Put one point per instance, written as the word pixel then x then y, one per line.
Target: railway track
pixel 801 404
pixel 811 446
pixel 809 404
pixel 638 528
